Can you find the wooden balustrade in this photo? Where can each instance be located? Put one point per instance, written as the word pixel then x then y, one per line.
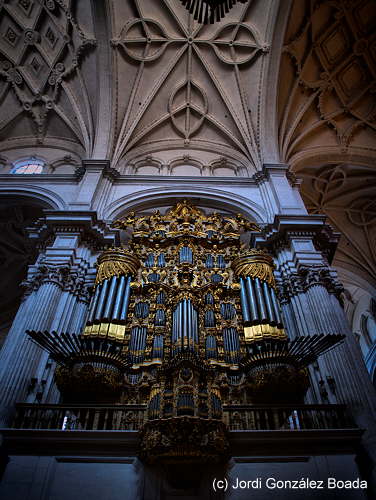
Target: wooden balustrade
pixel 286 417
pixel 132 417
pixel 77 417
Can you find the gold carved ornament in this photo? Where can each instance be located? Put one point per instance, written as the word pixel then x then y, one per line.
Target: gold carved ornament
pixel 116 262
pixel 255 264
pixel 186 218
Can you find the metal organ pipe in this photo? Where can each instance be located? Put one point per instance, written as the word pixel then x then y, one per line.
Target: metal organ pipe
pixel 268 302
pixel 149 260
pixel 137 343
pixel 161 260
pixel 209 263
pixel 93 304
pixel 127 294
pixel 209 299
pixel 252 300
pixel 231 343
pixel 276 308
pixel 101 301
pixel 244 302
pixel 259 303
pixel 194 324
pixel 185 325
pixel 157 347
pixel 119 298
pixel 221 263
pixel 211 347
pixel 174 325
pixel 189 331
pixel 260 300
pixel 209 319
pixel 181 324
pixel 110 299
pixel 185 255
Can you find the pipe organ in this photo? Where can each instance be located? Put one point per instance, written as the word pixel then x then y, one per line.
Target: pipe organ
pixel 184 320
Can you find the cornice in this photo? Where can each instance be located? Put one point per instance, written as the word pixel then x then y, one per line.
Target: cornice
pixel 285 227
pixel 84 223
pixel 161 179
pixel 7 179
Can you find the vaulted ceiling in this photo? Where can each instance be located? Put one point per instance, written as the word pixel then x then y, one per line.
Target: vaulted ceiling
pixel 326 95
pixel 117 79
pixel 275 81
pixel 327 120
pixel 44 75
pixel 112 79
pixel 189 84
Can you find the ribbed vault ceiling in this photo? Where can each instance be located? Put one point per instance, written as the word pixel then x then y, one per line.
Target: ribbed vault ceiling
pixel 276 81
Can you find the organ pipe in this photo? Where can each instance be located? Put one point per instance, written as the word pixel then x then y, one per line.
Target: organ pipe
pixel 101 301
pixel 110 299
pixel 119 298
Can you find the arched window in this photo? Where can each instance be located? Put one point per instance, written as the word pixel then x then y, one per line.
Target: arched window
pixel 31 165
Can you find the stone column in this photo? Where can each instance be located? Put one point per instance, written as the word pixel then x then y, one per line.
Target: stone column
pixel 19 357
pixel 310 296
pixel 56 299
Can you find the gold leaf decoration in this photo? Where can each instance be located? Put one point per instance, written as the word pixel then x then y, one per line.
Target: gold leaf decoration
pixel 116 262
pixel 185 218
pixel 255 264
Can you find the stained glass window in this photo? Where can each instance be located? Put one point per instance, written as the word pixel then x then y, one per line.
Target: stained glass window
pixel 29 166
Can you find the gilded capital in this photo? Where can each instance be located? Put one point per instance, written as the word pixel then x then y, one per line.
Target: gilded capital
pixel 116 262
pixel 255 264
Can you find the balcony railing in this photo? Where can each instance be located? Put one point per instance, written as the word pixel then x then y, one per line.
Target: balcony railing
pixel 76 417
pixel 132 417
pixel 286 417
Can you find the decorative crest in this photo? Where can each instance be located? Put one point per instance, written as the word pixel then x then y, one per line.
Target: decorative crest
pixel 186 219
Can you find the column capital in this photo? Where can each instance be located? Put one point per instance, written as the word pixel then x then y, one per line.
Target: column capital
pixel 80 224
pixel 100 166
pixel 294 283
pixel 45 273
pixel 305 234
pixel 95 165
pixel 268 169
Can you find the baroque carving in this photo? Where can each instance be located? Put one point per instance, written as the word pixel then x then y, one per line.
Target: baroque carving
pixel 297 283
pixel 184 440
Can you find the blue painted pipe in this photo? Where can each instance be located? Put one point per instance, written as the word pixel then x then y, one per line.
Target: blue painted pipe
pixel 244 303
pixel 119 298
pixel 252 302
pixel 268 302
pixel 93 304
pixel 127 295
pixel 110 299
pixel 101 301
pixel 276 308
pixel 260 300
